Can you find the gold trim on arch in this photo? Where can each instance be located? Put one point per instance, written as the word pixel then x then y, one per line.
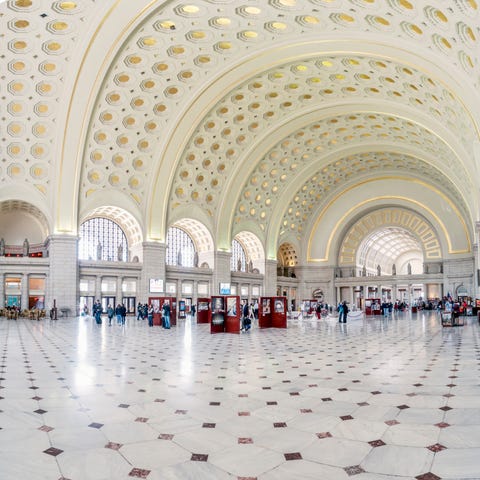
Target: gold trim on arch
pixel 390 197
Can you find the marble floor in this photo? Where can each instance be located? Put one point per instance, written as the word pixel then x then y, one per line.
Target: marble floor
pixel 373 399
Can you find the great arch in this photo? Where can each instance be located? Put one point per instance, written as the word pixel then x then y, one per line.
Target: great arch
pixel 395 253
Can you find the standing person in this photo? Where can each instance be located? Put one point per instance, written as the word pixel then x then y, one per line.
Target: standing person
pixel 118 313
pixel 345 311
pixel 110 313
pixel 166 314
pixel 97 311
pixel 245 319
pixel 124 313
pixel 194 309
pixel 139 311
pixel 150 315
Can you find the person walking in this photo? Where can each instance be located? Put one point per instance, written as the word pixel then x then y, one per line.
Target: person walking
pixel 150 315
pixel 343 312
pixel 166 314
pixel 124 313
pixel 110 313
pixel 97 312
pixel 118 313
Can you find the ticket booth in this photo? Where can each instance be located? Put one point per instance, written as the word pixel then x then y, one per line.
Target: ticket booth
pixel 225 314
pixel 157 303
pixel 203 310
pixel 272 312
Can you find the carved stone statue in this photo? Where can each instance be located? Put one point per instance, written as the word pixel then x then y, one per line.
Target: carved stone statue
pixel 195 259
pixel 179 258
pixel 2 247
pixel 409 269
pixel 120 253
pixel 394 269
pixel 364 271
pixel 239 265
pixel 250 266
pixel 26 248
pixel 379 270
pixel 99 251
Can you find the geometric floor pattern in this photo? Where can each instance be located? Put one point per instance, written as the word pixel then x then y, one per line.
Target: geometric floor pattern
pixel 373 399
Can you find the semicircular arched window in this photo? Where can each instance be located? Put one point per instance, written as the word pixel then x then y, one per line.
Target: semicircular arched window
pixel 102 239
pixel 180 248
pixel 238 262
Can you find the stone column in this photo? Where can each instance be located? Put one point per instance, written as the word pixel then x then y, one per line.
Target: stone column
pixel 221 271
pixel 179 289
pixel 62 284
pixel 154 256
pixel 270 280
pixel 118 291
pixel 24 291
pixel 2 290
pixel 98 287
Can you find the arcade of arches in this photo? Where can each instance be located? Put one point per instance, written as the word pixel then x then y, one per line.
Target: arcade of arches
pixel 293 132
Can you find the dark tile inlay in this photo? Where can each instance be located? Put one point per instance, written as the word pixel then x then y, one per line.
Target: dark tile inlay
pixel 324 435
pixel 436 448
pixel 377 443
pixel 279 424
pixel 199 457
pixel 96 425
pixel 428 476
pixel 45 428
pixel 354 470
pixel 293 456
pixel 53 451
pixel 245 440
pixel 114 446
pixel 139 473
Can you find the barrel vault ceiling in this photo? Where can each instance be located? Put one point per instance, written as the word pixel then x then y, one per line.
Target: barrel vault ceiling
pixel 243 115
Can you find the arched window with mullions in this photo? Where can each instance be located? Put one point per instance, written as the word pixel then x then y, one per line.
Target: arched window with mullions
pixel 102 239
pixel 180 248
pixel 239 257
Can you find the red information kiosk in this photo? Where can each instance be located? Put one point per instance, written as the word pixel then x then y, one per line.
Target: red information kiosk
pixel 225 314
pixel 309 306
pixel 157 303
pixel 203 310
pixel 372 306
pixel 272 312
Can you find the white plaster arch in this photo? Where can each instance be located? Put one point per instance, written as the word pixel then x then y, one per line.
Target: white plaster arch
pixel 222 84
pixel 429 202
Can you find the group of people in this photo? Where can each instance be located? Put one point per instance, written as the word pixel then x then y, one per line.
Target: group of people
pixel 120 311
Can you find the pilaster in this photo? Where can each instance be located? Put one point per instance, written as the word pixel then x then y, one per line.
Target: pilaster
pixel 154 256
pixel 62 284
pixel 221 272
pixel 270 281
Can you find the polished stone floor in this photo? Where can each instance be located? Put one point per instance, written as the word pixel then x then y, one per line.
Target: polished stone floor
pixel 372 399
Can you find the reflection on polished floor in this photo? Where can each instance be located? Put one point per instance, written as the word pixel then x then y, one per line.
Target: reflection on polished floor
pixel 372 399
